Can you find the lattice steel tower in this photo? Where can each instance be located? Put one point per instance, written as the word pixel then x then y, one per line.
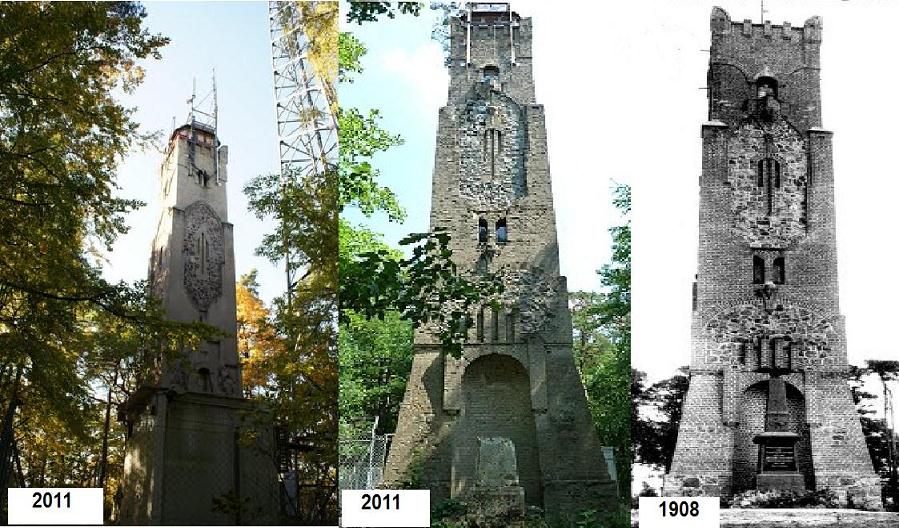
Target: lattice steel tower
pixel 307 128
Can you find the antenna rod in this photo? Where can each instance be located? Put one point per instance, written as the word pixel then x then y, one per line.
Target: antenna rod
pixel 215 130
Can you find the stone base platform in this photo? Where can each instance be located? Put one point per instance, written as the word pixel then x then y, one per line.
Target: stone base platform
pixel 780 481
pixel 796 518
pixel 816 518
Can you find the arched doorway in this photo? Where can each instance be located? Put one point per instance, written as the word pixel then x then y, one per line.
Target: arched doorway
pixel 497 403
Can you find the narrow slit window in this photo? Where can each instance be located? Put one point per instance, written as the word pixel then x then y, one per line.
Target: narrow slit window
pixel 495 336
pixel 481 325
pixel 780 275
pixel 482 231
pixel 758 270
pixel 760 173
pixel 758 346
pixel 776 174
pixel 502 235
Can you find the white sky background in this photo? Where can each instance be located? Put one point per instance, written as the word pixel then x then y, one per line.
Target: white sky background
pixel 233 38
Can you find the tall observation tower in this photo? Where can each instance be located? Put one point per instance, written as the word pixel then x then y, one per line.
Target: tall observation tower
pixel 184 450
pixel 509 416
pixel 768 405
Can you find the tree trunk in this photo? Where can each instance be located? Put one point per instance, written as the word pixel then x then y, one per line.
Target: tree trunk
pixel 104 455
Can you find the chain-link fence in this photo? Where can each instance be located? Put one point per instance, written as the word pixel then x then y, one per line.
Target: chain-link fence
pixel 362 461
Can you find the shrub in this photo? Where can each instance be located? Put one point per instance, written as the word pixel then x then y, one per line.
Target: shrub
pixel 824 498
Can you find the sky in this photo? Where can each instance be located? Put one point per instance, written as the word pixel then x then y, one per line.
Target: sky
pixel 622 84
pixel 233 38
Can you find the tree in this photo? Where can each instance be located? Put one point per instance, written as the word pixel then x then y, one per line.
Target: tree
pixel 61 136
pixel 881 438
pixel 375 362
pixel 656 416
pixel 300 370
pixel 257 338
pixel 72 345
pixel 877 435
pixel 601 324
pixel 363 11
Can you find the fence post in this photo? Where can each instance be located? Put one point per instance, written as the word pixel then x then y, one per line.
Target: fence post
pixel 371 453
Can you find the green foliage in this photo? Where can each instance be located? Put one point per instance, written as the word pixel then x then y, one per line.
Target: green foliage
pixel 302 369
pixel 349 54
pixel 619 518
pixel 61 136
pixel 375 361
pixel 448 509
pixel 364 11
pixel 615 312
pixel 360 139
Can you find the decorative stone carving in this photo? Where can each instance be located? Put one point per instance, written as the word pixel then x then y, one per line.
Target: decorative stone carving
pixel 492 140
pixel 810 331
pixel 774 217
pixel 204 254
pixel 532 294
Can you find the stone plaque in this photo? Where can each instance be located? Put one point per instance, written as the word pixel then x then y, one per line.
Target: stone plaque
pixel 778 458
pixel 497 465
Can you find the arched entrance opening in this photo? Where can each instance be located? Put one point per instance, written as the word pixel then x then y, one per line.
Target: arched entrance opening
pixel 496 404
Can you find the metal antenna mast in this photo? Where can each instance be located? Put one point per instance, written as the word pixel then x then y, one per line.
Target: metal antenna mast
pixel 307 130
pixel 204 115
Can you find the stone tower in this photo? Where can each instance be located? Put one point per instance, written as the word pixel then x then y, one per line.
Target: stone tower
pixel 183 450
pixel 514 395
pixel 768 405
